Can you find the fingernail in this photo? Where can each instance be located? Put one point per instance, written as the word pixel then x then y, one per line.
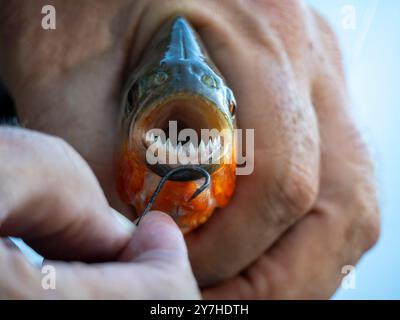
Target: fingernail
pixel 125 222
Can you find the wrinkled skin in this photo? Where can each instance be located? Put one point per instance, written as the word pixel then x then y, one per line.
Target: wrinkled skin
pixel 51 199
pixel 315 208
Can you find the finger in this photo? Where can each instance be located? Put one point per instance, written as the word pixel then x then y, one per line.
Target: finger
pixel 157 238
pixel 19 279
pixel 51 199
pixel 20 246
pixel 9 243
pixel 155 266
pixel 124 221
pixel 286 155
pixel 307 262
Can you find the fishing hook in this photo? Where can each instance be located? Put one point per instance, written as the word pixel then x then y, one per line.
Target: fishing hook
pixel 168 176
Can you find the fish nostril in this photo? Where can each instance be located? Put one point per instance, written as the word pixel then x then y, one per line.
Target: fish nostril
pixel 209 81
pixel 232 108
pixel 159 78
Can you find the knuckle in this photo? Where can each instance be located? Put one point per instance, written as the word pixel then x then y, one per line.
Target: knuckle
pixel 326 42
pixel 60 145
pixel 13 137
pixel 27 141
pixel 366 201
pixel 298 191
pixel 181 282
pixel 17 272
pixel 369 228
pixel 362 204
pixel 321 22
pixel 67 156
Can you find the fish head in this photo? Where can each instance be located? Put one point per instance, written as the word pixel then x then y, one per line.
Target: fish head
pixel 178 82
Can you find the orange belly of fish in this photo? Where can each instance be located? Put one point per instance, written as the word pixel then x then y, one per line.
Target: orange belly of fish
pixel 136 183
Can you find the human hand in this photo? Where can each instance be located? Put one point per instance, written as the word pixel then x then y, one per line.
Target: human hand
pixel 315 209
pixel 51 199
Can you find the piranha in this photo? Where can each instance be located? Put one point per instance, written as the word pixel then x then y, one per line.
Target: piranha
pixel 176 82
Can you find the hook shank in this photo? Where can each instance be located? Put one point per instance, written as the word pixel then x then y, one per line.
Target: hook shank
pixel 168 176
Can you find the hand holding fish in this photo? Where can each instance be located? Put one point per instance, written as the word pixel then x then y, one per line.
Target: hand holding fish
pixel 309 207
pixel 51 199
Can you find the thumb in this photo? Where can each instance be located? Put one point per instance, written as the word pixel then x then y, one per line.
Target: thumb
pixel 159 249
pixel 157 238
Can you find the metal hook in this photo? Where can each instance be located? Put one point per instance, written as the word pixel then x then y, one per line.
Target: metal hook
pixel 170 173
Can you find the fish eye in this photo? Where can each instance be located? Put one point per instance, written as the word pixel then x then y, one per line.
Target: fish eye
pixel 209 81
pixel 159 78
pixel 232 108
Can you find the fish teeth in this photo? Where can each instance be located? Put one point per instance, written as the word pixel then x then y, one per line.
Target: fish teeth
pixel 169 146
pixel 202 147
pixel 201 152
pixel 218 141
pixel 209 148
pixel 159 144
pixel 149 137
pixel 192 149
pixel 185 153
pixel 214 148
pixel 173 151
pixel 211 144
pixel 181 151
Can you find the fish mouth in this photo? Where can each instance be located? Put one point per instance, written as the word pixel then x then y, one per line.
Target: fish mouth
pixel 184 130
